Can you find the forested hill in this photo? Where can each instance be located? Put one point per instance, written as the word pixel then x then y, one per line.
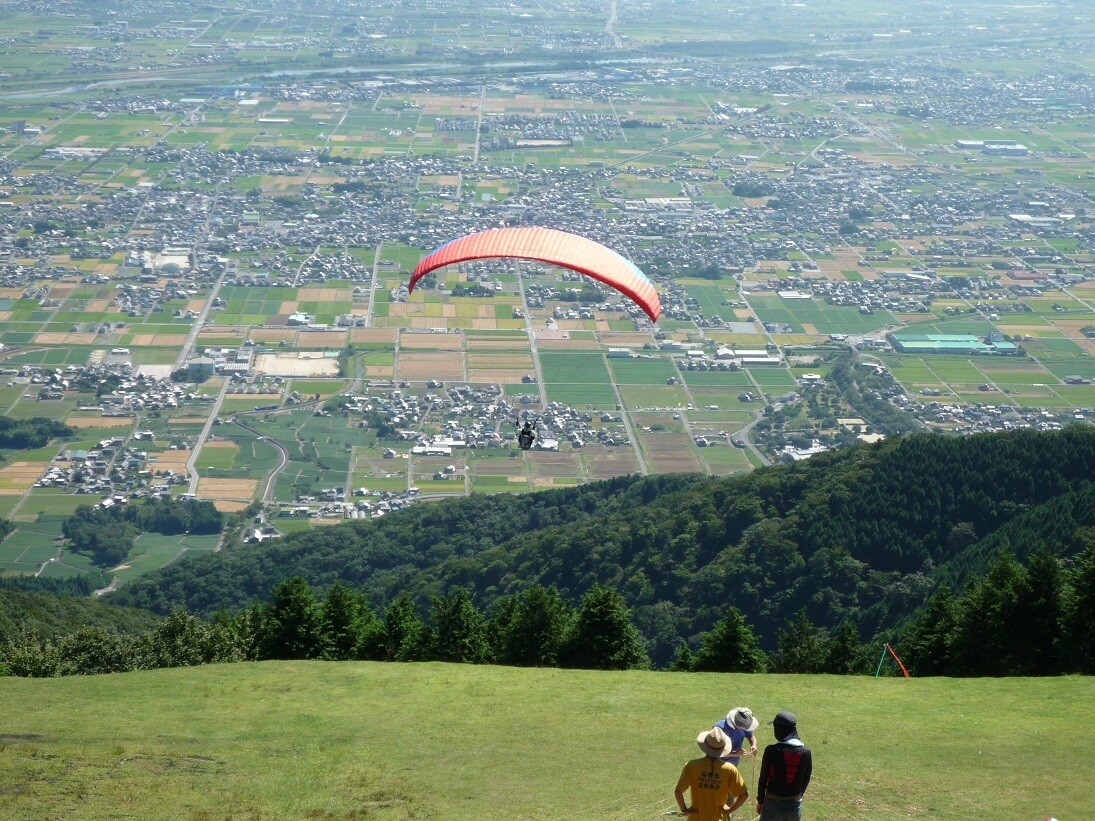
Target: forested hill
pixel 50 616
pixel 861 533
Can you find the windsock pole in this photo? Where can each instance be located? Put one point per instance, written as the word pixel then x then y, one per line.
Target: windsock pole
pixel 900 664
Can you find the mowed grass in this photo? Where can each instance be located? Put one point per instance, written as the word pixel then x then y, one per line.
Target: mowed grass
pixel 391 741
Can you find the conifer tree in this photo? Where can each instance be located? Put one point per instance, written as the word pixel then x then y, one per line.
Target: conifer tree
pixel 404 636
pixel 1043 617
pixel 801 646
pixel 729 647
pixel 601 635
pixel 844 652
pixel 291 623
pixel 458 630
pixel 536 631
pixel 991 620
pixel 344 617
pixel 1081 613
pixel 927 644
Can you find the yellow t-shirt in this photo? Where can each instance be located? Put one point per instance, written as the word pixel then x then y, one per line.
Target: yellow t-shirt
pixel 711 782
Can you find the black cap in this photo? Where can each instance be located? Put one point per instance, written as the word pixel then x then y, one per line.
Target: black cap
pixel 784 724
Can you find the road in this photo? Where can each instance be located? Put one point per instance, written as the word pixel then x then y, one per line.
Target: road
pixel 531 331
pixel 191 463
pixel 268 482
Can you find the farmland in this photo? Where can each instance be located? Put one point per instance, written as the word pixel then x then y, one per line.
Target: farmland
pixel 245 195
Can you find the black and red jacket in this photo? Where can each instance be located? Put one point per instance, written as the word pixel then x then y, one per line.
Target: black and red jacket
pixel 785 769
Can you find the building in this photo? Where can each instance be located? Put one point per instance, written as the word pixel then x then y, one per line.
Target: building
pixel 964 344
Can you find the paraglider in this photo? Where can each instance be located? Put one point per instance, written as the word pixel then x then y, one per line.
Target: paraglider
pixel 526 435
pixel 552 246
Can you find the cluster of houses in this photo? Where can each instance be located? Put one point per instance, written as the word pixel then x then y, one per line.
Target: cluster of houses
pixel 114 467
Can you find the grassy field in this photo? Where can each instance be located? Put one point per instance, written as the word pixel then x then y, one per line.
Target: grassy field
pixel 388 741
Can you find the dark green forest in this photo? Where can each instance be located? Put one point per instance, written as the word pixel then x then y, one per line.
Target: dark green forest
pixel 30 433
pixel 861 537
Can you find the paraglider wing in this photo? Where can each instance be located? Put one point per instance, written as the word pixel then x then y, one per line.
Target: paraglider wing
pixel 552 246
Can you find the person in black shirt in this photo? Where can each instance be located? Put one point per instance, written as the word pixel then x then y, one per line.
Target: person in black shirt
pixel 785 772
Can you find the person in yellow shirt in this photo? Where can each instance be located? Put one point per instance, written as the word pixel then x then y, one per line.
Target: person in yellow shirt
pixel 711 781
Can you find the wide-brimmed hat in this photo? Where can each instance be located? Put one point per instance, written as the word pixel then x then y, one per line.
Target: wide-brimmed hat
pixel 714 742
pixel 743 719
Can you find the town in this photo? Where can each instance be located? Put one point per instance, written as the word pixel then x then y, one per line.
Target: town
pixel 208 222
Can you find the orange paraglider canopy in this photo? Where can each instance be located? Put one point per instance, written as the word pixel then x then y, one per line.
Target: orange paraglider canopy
pixel 552 246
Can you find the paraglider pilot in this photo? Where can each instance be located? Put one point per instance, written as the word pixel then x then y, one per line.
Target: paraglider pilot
pixel 527 435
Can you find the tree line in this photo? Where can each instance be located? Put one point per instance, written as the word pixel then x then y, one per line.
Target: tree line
pixel 1037 620
pixel 1033 621
pixel 863 535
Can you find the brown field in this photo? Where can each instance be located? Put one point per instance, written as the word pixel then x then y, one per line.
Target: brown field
pixel 186 420
pixel 612 462
pixel 417 367
pixel 195 305
pixel 498 467
pixel 625 340
pixel 19 476
pixel 547 464
pixel 321 294
pixel 431 342
pixel 479 343
pixel 670 453
pixel 484 324
pixel 99 421
pixel 173 460
pixel 502 377
pixel 168 340
pixel 220 443
pixel 518 361
pixel 568 344
pixel 236 489
pixel 810 329
pixel 292 365
pixel 218 331
pixel 333 340
pixel 53 338
pixel 229 505
pixel 273 335
pixel 12 293
pixel 374 335
pixel 97 305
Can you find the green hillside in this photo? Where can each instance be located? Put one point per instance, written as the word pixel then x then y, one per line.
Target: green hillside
pixel 394 741
pixel 51 616
pixel 860 534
